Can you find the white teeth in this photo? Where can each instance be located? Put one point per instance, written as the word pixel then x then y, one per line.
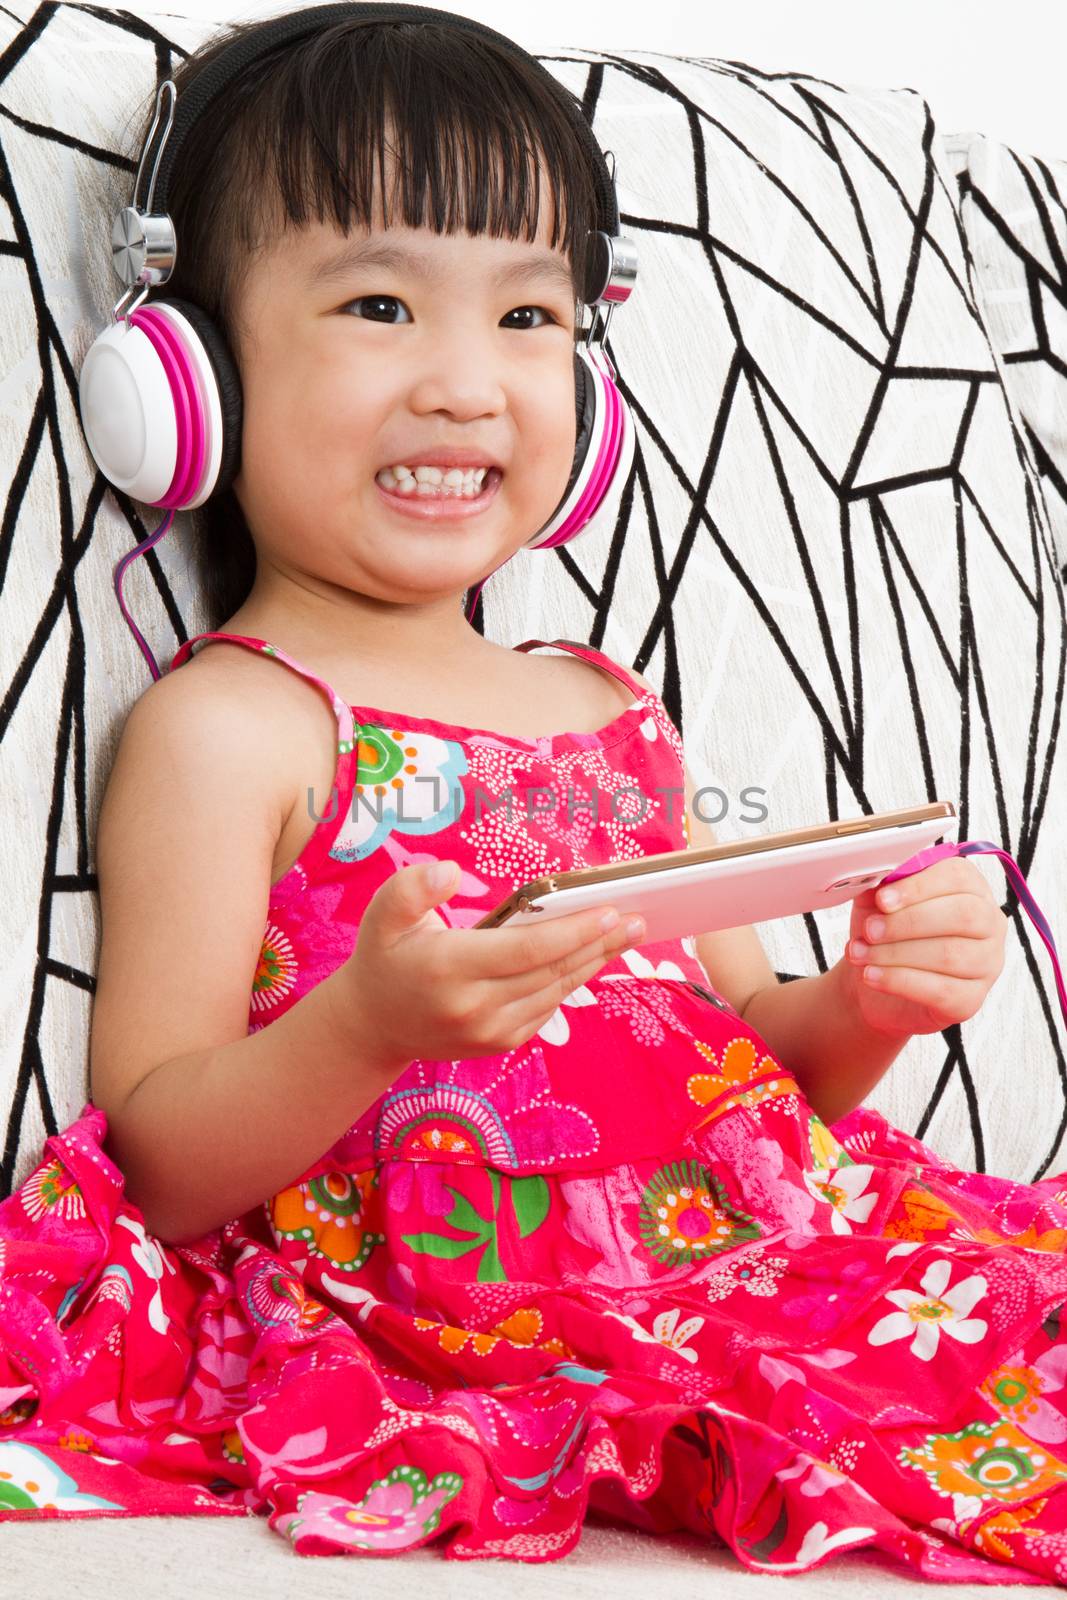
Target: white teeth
pixel 464 483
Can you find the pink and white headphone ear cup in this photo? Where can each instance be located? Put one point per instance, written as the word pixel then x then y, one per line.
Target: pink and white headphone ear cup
pixel 160 404
pixel 603 454
pixel 220 390
pixel 127 412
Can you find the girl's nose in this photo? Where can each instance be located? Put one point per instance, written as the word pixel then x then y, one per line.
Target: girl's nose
pixel 463 374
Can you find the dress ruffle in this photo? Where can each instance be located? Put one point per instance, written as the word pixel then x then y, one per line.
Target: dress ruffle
pixel 786 1369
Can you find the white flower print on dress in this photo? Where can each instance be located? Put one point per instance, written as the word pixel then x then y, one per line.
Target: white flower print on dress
pixel 647 1010
pixel 153 1263
pixel 665 1331
pixel 557 1030
pixel 409 783
pixel 845 1188
pixel 641 967
pixel 756 1274
pixel 937 1310
pixel 814 1477
pixel 818 1542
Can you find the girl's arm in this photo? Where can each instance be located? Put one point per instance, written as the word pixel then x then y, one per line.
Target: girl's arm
pixel 813 1025
pixel 205 1120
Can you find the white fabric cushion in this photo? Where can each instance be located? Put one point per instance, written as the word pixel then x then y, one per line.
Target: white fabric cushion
pixel 836 622
pixel 1014 210
pixel 175 1557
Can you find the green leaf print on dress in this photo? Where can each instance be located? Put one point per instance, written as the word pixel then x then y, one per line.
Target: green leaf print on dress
pixel 530 1201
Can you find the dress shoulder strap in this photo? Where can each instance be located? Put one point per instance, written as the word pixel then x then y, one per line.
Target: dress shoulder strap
pixel 343 712
pixel 597 657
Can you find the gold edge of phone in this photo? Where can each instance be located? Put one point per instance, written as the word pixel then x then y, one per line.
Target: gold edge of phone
pixel 667 860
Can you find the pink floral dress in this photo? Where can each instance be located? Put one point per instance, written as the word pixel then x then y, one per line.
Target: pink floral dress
pixel 623 1267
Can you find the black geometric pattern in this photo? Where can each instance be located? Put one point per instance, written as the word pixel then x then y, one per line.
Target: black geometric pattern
pixel 1014 209
pixel 834 555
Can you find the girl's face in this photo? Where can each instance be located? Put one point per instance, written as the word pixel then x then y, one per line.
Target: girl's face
pixel 348 370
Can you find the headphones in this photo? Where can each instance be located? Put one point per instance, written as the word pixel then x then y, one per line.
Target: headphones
pixel 159 392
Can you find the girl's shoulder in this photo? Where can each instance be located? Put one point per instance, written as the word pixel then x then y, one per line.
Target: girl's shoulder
pixel 245 682
pixel 219 713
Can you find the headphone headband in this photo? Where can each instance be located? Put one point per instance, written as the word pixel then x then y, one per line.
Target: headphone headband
pixel 232 61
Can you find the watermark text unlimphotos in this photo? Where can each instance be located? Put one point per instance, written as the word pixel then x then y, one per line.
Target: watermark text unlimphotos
pixel 628 804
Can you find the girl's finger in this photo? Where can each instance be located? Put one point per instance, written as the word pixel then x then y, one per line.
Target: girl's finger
pixel 539 1004
pixel 966 916
pixel 531 947
pixel 956 957
pixel 955 999
pixel 554 976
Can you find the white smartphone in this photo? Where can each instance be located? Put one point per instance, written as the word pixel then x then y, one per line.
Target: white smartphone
pixel 682 892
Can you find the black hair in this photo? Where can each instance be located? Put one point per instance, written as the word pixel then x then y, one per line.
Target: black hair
pixel 301 134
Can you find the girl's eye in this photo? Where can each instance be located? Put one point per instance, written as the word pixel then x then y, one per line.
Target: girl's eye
pixel 379 300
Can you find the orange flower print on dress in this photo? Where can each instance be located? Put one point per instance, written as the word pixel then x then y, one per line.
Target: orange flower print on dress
pixel 984 1461
pixel 920 1214
pixel 333 1213
pixel 75 1440
pixel 1032 1238
pixel 520 1329
pixel 439 1139
pixel 740 1080
pixel 991 1539
pixel 1012 1389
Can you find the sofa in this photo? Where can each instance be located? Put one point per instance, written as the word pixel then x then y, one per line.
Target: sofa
pixel 840 556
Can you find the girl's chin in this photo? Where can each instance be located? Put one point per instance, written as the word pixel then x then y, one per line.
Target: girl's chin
pixel 428 570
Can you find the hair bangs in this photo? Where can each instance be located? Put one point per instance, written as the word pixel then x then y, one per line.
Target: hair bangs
pixel 414 145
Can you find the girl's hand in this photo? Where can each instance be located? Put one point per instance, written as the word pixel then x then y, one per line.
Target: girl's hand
pixel 420 989
pixel 939 951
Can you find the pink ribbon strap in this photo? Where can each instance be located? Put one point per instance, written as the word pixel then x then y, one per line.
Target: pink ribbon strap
pixel 983 847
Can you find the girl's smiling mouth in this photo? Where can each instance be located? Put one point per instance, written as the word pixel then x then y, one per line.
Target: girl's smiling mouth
pixel 432 508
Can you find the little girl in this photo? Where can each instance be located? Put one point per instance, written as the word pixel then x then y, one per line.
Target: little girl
pixel 388 1227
